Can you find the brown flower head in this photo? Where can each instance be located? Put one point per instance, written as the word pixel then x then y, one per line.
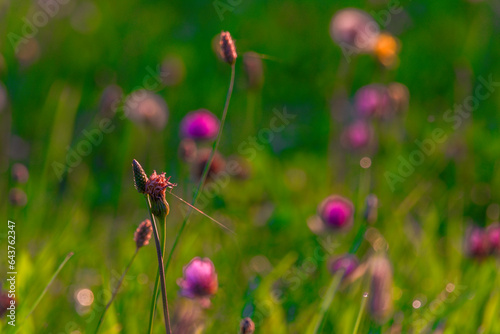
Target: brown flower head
pixel 380 304
pixel 143 233
pixel 253 70
pixel 217 166
pixel 247 326
pixel 17 197
pixel 140 177
pixel 371 209
pixel 155 188
pixel 110 99
pixel 227 48
pixel 188 150
pixel 20 173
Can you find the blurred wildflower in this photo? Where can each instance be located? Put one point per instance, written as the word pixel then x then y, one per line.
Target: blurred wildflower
pixel 28 52
pixel 19 148
pixel 172 71
pixel 247 326
pixel 110 98
pixel 347 262
pixel 143 233
pixel 227 48
pixel 17 197
pixel 20 173
pixel 380 303
pixel 357 135
pixel 372 100
pixel 188 317
pixel 494 237
pixel 477 243
pixel 238 167
pixel 3 97
pixel 140 177
pixel 146 108
pixel 253 69
pixel 336 212
pixel 200 124
pixel 86 18
pixel 354 30
pixel 399 95
pixel 155 188
pixel 5 303
pixel 371 209
pixel 386 50
pixel 188 150
pixel 199 280
pixel 218 164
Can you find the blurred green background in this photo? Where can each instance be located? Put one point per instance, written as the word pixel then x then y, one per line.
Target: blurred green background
pixel 275 268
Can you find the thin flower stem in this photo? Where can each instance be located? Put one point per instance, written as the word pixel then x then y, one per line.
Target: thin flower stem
pixel 325 304
pixel 224 227
pixel 360 313
pixel 115 292
pixel 152 309
pixel 50 283
pixel 199 189
pixel 207 166
pixel 161 270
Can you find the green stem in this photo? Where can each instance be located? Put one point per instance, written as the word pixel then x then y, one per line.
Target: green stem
pixel 161 270
pixel 360 313
pixel 325 304
pixel 115 292
pixel 198 191
pixel 48 285
pixel 152 309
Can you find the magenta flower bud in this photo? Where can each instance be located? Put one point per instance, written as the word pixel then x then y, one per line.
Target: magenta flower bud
pixel 357 135
pixel 199 280
pixel 494 237
pixel 477 244
pixel 347 262
pixel 200 124
pixel 372 100
pixel 336 212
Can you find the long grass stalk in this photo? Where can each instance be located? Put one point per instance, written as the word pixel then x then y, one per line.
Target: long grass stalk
pixel 48 285
pixel 360 313
pixel 157 281
pixel 317 322
pixel 197 193
pixel 115 291
pixel 161 270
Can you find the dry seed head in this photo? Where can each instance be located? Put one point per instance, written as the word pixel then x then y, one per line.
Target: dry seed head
pixel 140 177
pixel 143 233
pixel 227 48
pixel 247 326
